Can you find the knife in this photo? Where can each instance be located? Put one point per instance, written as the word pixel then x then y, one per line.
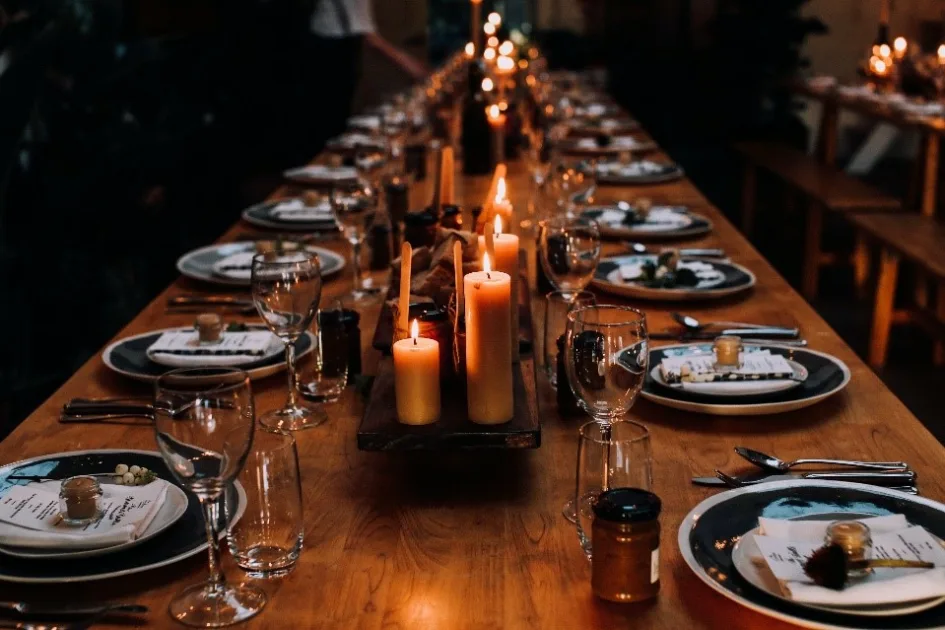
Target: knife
pixel 773 332
pixel 899 478
pixel 53 610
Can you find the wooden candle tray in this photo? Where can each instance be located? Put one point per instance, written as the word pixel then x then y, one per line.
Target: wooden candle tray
pixel 380 430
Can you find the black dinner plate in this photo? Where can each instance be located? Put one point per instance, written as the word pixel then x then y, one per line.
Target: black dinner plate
pixel 261 215
pixel 699 225
pixel 668 173
pixel 716 529
pixel 736 279
pixel 183 539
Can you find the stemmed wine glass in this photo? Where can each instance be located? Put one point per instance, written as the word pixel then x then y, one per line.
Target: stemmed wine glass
pixel 570 251
pixel 606 358
pixel 204 420
pixel 286 290
pixel 354 209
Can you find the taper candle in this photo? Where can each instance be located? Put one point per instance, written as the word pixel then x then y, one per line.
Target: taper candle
pixel 497 124
pixel 406 262
pixel 475 19
pixel 417 378
pixel 488 365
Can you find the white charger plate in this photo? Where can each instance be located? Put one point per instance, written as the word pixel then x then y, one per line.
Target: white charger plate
pixel 175 504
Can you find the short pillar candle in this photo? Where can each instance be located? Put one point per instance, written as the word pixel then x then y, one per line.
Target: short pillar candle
pixel 417 378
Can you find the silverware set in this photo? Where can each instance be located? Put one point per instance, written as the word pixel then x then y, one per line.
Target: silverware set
pixel 108 411
pixel 197 303
pixel 691 329
pixel 76 616
pixel 893 475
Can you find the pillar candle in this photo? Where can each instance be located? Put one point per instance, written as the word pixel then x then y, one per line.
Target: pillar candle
pixel 488 363
pixel 417 378
pixel 505 248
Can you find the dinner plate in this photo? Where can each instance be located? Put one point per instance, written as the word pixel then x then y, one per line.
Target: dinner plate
pixel 729 280
pixel 263 215
pixel 745 388
pixel 710 531
pixel 672 222
pixel 186 537
pixel 596 126
pixel 175 504
pixel 129 356
pixel 198 264
pixel 746 552
pixel 827 375
pixel 619 174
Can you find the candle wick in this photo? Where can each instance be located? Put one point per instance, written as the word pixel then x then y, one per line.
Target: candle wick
pixel 488 276
pixel 414 341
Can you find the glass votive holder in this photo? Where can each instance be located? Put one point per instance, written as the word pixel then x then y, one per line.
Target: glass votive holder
pixel 727 349
pixel 80 500
pixel 855 539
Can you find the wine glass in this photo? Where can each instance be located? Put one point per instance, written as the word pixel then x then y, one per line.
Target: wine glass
pixel 286 290
pixel 204 421
pixel 355 208
pixel 606 358
pixel 570 251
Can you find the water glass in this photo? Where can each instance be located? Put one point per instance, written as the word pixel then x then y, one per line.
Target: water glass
pixel 325 376
pixel 557 306
pixel 606 358
pixel 286 290
pixel 570 252
pixel 356 210
pixel 266 540
pixel 614 455
pixel 204 420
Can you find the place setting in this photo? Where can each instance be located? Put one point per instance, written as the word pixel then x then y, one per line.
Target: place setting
pixel 230 264
pixel 606 144
pixel 667 276
pixel 629 171
pixel 644 220
pixel 309 212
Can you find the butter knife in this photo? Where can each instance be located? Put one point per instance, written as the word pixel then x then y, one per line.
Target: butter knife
pixel 52 610
pixel 896 478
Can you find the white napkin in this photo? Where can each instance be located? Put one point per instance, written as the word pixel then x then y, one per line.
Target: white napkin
pixel 321 172
pixel 619 143
pixel 238 266
pixel 296 210
pixel 29 517
pixel 707 275
pixel 760 368
pixel 786 545
pixel 355 139
pixel 365 122
pixel 181 348
pixel 633 169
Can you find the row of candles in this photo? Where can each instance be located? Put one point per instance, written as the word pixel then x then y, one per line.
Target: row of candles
pixel 488 300
pixel 884 57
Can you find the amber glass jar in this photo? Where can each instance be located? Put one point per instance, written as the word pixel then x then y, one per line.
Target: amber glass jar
pixel 626 535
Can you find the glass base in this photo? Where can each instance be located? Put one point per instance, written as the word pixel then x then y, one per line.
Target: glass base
pixel 268 561
pixel 293 418
pixel 569 513
pixel 216 606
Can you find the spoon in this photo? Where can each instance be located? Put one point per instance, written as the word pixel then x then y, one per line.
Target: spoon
pixel 768 462
pixel 691 324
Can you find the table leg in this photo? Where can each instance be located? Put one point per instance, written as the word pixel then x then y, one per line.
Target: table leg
pixel 861 265
pixel 930 174
pixel 815 224
pixel 883 308
pixel 827 141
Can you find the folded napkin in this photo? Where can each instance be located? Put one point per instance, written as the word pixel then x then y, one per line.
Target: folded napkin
pixel 29 516
pixel 181 348
pixel 365 122
pixel 638 168
pixel 593 110
pixel 660 218
pixel 619 143
pixel 238 266
pixel 786 545
pixel 321 172
pixel 352 140
pixel 759 372
pixel 707 275
pixel 296 210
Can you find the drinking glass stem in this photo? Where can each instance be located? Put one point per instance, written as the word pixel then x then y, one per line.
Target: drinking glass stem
pixel 605 438
pixel 356 262
pixel 213 548
pixel 290 371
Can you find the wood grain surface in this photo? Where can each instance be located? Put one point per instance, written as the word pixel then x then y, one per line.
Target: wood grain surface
pixel 477 540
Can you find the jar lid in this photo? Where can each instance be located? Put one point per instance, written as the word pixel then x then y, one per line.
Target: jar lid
pixel 627 505
pixel 419 219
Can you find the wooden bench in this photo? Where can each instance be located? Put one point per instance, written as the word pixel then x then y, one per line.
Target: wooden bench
pixel 921 241
pixel 826 188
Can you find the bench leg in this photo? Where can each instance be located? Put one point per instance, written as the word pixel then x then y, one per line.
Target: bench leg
pixel 749 187
pixel 861 265
pixel 815 226
pixel 930 174
pixel 921 289
pixel 883 308
pixel 938 351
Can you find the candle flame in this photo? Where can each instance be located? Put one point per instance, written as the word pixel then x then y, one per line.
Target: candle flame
pixel 486 265
pixel 487 85
pixel 495 19
pixel 884 50
pixel 489 55
pixel 489 28
pixel 941 52
pixel 492 42
pixel 900 44
pixel 470 50
pixel 505 64
pixel 494 112
pixel 500 187
pixel 506 48
pixel 414 330
pixel 503 105
pixel 498 225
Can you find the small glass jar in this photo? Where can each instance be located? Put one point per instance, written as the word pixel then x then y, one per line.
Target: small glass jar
pixel 80 500
pixel 451 217
pixel 420 229
pixel 625 566
pixel 855 539
pixel 209 328
pixel 727 349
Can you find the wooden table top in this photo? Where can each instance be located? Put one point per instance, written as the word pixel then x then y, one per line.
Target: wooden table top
pixel 477 540
pixel 868 107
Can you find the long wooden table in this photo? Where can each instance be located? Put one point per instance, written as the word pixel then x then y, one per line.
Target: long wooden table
pixel 477 540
